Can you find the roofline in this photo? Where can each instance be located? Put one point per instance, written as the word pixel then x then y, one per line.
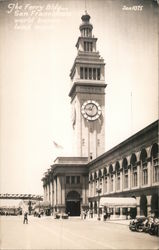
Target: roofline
pixel 142 131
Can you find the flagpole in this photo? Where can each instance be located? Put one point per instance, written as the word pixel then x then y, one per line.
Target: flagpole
pixel 131 119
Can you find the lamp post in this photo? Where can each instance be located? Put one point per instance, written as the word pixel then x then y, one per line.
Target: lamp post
pixel 98 190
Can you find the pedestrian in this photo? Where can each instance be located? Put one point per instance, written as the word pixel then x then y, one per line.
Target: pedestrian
pixel 105 215
pixel 25 218
pixel 85 214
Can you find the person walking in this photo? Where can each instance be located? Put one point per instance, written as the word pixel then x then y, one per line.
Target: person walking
pixel 25 218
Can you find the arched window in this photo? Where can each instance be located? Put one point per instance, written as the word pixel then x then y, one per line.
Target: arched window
pixel 105 180
pixel 143 158
pixel 117 171
pixel 111 178
pixel 155 164
pixel 100 179
pixel 125 172
pixel 96 180
pixel 91 185
pixel 133 162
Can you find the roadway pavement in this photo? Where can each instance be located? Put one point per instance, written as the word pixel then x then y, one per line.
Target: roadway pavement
pixel 73 233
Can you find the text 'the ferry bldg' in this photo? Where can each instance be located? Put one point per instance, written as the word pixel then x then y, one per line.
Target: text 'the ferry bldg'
pixel 122 181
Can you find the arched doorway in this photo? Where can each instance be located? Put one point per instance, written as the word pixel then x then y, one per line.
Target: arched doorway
pixel 155 205
pixel 143 205
pixel 73 203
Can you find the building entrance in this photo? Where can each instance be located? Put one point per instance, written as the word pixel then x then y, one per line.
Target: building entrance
pixel 73 203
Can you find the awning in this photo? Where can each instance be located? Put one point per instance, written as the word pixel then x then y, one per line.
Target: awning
pixel 118 202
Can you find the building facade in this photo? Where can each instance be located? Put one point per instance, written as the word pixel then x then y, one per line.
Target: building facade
pixel 130 169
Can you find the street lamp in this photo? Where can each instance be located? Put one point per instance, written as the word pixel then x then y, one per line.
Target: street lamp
pixel 98 190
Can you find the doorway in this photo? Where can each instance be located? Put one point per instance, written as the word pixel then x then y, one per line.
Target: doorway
pixel 73 204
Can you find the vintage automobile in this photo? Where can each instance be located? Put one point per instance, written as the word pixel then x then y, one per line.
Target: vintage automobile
pixel 154 227
pixel 143 224
pixel 137 224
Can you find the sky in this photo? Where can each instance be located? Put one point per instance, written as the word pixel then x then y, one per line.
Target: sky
pixel 37 50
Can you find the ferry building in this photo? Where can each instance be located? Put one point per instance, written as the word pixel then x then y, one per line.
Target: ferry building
pixel 121 181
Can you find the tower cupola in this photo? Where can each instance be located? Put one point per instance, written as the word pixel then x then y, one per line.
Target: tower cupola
pixel 86 27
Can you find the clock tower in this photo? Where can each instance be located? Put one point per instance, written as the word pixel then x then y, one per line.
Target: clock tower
pixel 88 95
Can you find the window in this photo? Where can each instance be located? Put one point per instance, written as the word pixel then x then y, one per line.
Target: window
pixel 96 184
pixel 91 47
pixel 91 186
pixel 90 73
pixel 94 74
pixel 81 72
pixel 88 46
pixel 105 186
pixel 144 173
pixel 111 183
pixel 78 179
pixel 98 74
pixel 100 183
pixel 85 46
pixel 134 176
pixel 118 181
pixel 86 71
pixel 67 179
pixel 72 179
pixel 156 170
pixel 126 178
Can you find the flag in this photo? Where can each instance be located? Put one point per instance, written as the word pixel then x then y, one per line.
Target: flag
pixel 57 145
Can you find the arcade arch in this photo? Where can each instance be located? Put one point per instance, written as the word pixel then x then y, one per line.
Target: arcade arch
pixel 143 205
pixel 155 164
pixel 144 169
pixel 73 202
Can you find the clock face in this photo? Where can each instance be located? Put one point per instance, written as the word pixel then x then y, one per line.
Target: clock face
pixel 91 110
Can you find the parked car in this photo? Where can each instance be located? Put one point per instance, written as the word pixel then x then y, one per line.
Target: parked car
pixel 137 224
pixel 154 227
pixel 145 224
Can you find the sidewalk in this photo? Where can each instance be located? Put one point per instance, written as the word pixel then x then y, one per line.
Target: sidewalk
pixel 123 222
pixel 115 221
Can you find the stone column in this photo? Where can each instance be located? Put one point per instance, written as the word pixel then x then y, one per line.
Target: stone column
pixel 148 204
pixel 59 200
pixel 121 213
pixel 138 206
pixel 94 187
pixel 84 190
pixel 103 187
pixel 108 183
pixel 93 203
pixel 63 189
pixel 48 191
pixel 89 187
pixel 129 177
pixel 55 191
pixel 102 215
pixel 138 176
pixel 50 184
pixel 52 194
pixel 113 215
pixel 121 180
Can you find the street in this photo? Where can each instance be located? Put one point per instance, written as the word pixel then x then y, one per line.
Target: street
pixel 73 233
